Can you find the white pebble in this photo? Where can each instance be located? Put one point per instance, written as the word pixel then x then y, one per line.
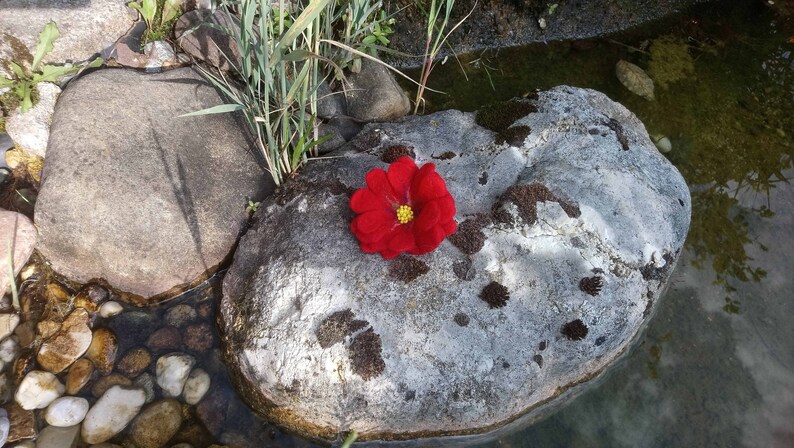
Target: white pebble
pixel 8 323
pixel 197 384
pixel 114 410
pixel 66 411
pixel 38 389
pixel 172 372
pixel 110 309
pixel 5 426
pixel 9 349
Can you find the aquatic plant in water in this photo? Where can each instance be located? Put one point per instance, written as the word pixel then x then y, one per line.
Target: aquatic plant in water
pixel 407 209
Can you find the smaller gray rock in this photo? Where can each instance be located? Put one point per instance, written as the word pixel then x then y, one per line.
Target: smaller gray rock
pixel 330 104
pixel 31 130
pixel 160 54
pixel 25 237
pixel 5 388
pixel 111 413
pixel 197 33
pixel 146 382
pixel 8 323
pixel 374 95
pixel 172 372
pixel 196 386
pixel 66 411
pixel 9 349
pixel 38 389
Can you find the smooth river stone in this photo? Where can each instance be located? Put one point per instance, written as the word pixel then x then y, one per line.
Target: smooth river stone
pixel 68 344
pixel 8 323
pixel 38 389
pixel 79 375
pixel 58 437
pixel 157 424
pixel 196 386
pixel 66 411
pixel 172 372
pixel 112 413
pixel 103 350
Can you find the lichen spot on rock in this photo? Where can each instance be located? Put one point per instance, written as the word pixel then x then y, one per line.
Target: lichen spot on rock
pixel 462 319
pixel 365 355
pixel 495 295
pixel 407 269
pixel 575 330
pixel 396 152
pixel 500 116
pixel 337 326
pixel 469 237
pixel 591 285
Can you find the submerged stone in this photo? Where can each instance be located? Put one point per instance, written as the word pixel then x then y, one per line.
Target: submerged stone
pixel 323 338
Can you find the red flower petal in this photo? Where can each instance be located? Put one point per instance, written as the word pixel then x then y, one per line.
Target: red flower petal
pixel 400 175
pixel 375 221
pixel 429 240
pixel 402 240
pixel 447 206
pixel 365 200
pixel 379 184
pixel 449 227
pixel 428 217
pixel 427 185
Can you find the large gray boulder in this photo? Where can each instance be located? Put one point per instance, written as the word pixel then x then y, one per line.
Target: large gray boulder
pixel 567 233
pixel 134 194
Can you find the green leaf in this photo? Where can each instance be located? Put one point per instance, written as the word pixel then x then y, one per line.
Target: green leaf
pixel 23 91
pixel 369 40
pixel 147 8
pixel 220 109
pixel 44 45
pixel 301 23
pixel 51 73
pixel 18 70
pixel 171 9
pixel 296 55
pixel 5 82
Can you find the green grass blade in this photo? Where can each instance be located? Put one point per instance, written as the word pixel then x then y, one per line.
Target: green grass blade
pixel 220 109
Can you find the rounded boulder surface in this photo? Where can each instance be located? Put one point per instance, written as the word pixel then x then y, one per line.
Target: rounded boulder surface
pixel 156 424
pixel 324 338
pixel 158 200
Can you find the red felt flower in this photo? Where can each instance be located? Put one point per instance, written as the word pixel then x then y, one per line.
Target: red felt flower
pixel 407 209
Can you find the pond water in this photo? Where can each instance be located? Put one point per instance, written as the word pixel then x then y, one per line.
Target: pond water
pixel 715 366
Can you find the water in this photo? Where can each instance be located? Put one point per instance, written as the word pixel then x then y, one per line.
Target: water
pixel 715 366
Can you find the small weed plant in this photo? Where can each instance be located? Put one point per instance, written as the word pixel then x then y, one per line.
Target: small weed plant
pixel 23 81
pixel 289 49
pixel 159 16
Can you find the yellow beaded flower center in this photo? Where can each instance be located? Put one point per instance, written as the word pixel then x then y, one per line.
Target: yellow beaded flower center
pixel 404 214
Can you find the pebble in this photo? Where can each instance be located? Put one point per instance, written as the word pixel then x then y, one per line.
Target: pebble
pixel 38 389
pixel 23 365
pixel 180 315
pixel 58 437
pixel 157 424
pixel 135 362
pixel 66 411
pixel 8 350
pixel 58 293
pixel 663 144
pixel 5 389
pixel 26 333
pixel 68 344
pixel 164 339
pixel 196 386
pixel 172 372
pixel 106 382
pixel 198 337
pixel 103 350
pixel 5 426
pixel 23 423
pixel 47 328
pixel 111 413
pixel 110 309
pixel 182 445
pixel 146 382
pixel 90 297
pixel 79 375
pixel 8 323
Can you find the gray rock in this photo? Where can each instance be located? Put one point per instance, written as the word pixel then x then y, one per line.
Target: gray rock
pixel 200 34
pixel 160 54
pixel 180 315
pixel 8 323
pixel 330 104
pixel 31 130
pixel 5 426
pixel 86 27
pixel 25 237
pixel 158 200
pixel 566 240
pixel 58 437
pixel 374 95
pixel 196 386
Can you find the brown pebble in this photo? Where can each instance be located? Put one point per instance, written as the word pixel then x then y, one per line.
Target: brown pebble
pixel 164 339
pixel 26 333
pixel 135 362
pixel 58 293
pixel 103 350
pixel 68 344
pixel 90 297
pixel 106 382
pixel 198 337
pixel 47 328
pixel 156 424
pixel 79 375
pixel 23 365
pixel 205 309
pixel 23 423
